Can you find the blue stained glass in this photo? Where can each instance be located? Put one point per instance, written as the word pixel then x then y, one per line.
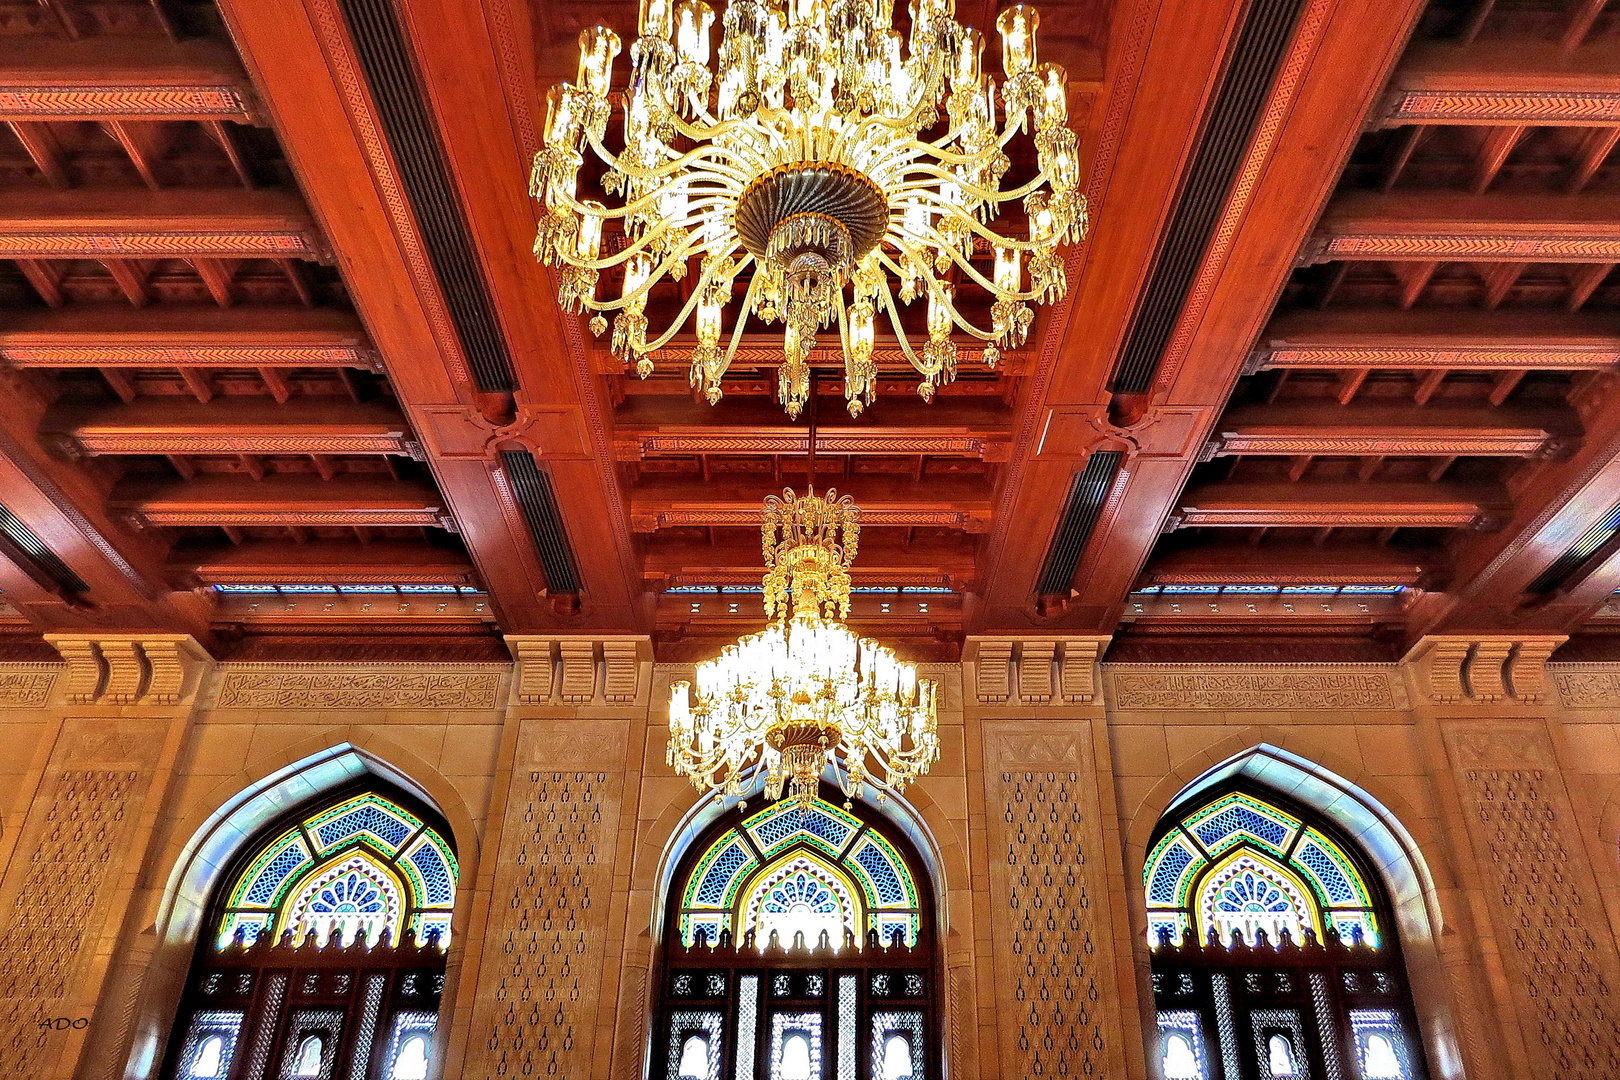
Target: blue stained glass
pixel 366 589
pixel 1249 893
pixel 307 589
pixel 725 866
pixel 427 588
pixel 1240 818
pixel 886 881
pixel 435 875
pixel 801 889
pixel 834 832
pixel 364 819
pixel 291 858
pixel 1167 874
pixel 774 830
pixel 349 893
pixel 1320 863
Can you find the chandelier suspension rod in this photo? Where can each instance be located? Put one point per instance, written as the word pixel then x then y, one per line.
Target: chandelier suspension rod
pixel 814 377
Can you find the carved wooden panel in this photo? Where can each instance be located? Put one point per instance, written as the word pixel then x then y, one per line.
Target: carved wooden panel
pixel 1558 949
pixel 546 944
pixel 1049 901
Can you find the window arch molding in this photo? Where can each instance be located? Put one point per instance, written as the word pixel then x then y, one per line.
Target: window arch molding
pixel 207 843
pixel 905 817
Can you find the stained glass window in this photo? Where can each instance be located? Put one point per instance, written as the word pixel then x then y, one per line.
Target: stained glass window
pixel 1242 864
pixel 365 864
pixel 792 871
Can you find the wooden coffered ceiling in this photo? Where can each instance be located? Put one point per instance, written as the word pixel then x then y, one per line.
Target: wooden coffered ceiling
pixel 1336 368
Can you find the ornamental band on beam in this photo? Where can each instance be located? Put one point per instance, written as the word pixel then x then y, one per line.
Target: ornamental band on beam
pixel 819 161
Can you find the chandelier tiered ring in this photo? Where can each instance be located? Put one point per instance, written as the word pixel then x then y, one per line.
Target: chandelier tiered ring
pixel 815 158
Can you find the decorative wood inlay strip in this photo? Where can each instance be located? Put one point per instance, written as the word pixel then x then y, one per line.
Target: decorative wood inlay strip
pixel 1505 444
pixel 791 442
pixel 228 515
pixel 1360 517
pixel 1499 107
pixel 143 245
pixel 189 356
pixel 125 102
pixel 1503 247
pixel 1371 357
pixel 177 442
pixel 970 521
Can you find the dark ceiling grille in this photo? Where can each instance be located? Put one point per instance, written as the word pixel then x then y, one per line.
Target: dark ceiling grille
pixel 1081 508
pixel 1230 125
pixel 380 46
pixel 531 486
pixel 36 560
pixel 1603 534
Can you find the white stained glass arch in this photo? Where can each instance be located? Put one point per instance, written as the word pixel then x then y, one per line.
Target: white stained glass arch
pixel 357 894
pixel 411 1063
pixel 1179 1061
pixel 1248 895
pixel 802 895
pixel 308 1061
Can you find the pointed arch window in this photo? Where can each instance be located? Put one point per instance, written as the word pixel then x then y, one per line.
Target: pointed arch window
pixel 799 948
pixel 1274 952
pixel 323 953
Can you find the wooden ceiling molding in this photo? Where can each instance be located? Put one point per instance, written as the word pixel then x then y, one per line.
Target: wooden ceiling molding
pixel 1345 324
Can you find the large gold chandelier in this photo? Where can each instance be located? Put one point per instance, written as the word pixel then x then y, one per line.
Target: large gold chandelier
pixel 818 160
pixel 805 692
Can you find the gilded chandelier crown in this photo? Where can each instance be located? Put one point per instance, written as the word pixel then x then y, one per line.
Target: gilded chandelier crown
pixel 815 157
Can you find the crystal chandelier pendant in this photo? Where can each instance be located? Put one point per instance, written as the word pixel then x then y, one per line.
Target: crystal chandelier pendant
pixel 808 164
pixel 806 693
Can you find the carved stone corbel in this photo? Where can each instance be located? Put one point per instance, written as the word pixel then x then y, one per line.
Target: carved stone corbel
pixel 1034 671
pixel 575 670
pixel 129 668
pixel 1485 668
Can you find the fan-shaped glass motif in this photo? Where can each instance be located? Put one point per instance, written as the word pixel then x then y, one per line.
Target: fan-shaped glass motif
pixel 363 864
pixel 801 871
pixel 1240 863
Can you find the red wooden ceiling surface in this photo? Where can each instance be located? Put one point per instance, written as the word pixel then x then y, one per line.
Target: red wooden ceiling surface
pixel 231 361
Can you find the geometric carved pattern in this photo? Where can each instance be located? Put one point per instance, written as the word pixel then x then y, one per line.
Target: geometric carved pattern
pixel 382 518
pixel 1333 689
pixel 1588 686
pixel 1051 924
pixel 24 689
pixel 719 516
pixel 790 442
pixel 545 946
pixel 1350 356
pixel 1499 107
pixel 189 356
pixel 1559 952
pixel 43 939
pixel 408 688
pixel 94 443
pixel 124 102
pixel 1524 443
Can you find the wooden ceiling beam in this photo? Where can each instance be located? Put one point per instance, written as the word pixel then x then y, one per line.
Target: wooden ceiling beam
pixel 1310 123
pixel 1512 80
pixel 1394 431
pixel 121 224
pixel 327 124
pixel 333 562
pixel 1340 505
pixel 886 558
pixel 1457 340
pixel 214 499
pixel 1238 562
pixel 104 336
pixel 235 426
pixel 112 77
pixel 1406 226
pixel 44 150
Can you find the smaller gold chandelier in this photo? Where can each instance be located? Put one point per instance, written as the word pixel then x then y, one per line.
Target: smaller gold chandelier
pixel 805 692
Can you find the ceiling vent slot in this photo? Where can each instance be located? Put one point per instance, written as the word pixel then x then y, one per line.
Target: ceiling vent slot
pixel 28 551
pixel 1227 131
pixel 401 107
pixel 1596 544
pixel 531 486
pixel 1081 508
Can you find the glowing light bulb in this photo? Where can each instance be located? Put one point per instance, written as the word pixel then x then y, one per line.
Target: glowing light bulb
pixel 969 59
pixel 693 18
pixel 708 321
pixel 657 18
pixel 597 48
pixel 559 116
pixel 862 331
pixel 1017 25
pixel 939 311
pixel 1008 269
pixel 588 243
pixel 1054 95
pixel 636 273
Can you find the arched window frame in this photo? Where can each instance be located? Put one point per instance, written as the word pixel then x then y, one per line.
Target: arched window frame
pixel 748 997
pixel 1327 994
pixel 265 990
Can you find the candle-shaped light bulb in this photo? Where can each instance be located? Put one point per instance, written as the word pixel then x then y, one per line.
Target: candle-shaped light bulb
pixel 708 321
pixel 916 220
pixel 899 78
pixel 1017 25
pixel 588 242
pixel 693 18
pixel 862 331
pixel 1054 107
pixel 939 311
pixel 597 47
pixel 1007 269
pixel 800 12
pixel 559 116
pixel 657 18
pixel 636 272
pixel 968 63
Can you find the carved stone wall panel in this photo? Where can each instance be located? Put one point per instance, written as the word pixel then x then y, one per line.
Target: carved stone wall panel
pixel 62 896
pixel 28 685
pixel 1236 686
pixel 254 686
pixel 1559 953
pixel 547 939
pixel 1587 686
pixel 1049 903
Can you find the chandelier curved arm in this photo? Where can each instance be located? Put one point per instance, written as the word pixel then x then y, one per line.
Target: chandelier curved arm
pixel 956 316
pixel 706 278
pixel 678 255
pixel 712 153
pixel 922 368
pixel 995 196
